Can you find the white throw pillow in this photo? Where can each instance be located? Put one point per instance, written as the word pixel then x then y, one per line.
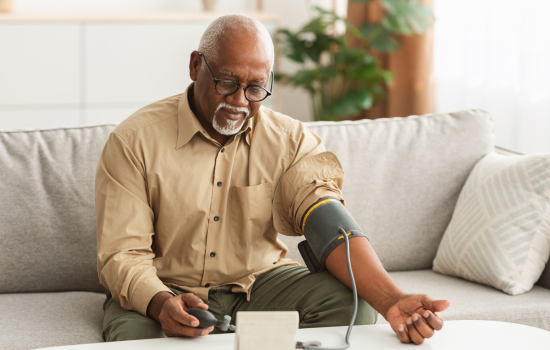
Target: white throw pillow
pixel 499 234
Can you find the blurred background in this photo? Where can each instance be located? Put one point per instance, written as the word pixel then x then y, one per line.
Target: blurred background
pixel 81 62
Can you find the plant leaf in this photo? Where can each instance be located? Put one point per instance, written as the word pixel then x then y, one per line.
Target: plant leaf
pixel 348 105
pixel 379 37
pixel 351 79
pixel 407 17
pixel 361 98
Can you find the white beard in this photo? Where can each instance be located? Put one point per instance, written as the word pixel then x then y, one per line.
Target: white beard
pixel 232 126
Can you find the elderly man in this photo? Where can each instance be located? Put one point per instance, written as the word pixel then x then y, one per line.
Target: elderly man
pixel 192 191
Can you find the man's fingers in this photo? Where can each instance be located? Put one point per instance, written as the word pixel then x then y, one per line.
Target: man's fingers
pixel 402 334
pixel 413 333
pixel 435 305
pixel 441 305
pixel 203 306
pixel 177 330
pixel 433 320
pixel 191 300
pixel 195 332
pixel 176 322
pixel 176 312
pixel 422 327
pixel 187 301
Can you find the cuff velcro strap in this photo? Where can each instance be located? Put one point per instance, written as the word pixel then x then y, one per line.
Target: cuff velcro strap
pixel 321 224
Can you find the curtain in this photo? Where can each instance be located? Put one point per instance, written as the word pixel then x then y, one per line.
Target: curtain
pixel 412 90
pixel 495 55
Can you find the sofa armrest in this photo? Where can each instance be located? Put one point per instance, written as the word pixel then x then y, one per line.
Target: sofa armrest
pixel 544 280
pixel 505 151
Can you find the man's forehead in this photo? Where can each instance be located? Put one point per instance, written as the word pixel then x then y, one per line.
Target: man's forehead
pixel 244 54
pixel 228 72
pixel 235 75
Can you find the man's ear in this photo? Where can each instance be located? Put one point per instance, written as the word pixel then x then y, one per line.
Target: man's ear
pixel 194 65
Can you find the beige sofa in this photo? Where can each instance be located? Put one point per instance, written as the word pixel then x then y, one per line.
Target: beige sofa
pixel 403 178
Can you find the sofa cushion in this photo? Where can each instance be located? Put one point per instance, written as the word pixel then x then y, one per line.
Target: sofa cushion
pixel 472 301
pixel 404 175
pixel 500 231
pixel 544 279
pixel 47 209
pixel 35 320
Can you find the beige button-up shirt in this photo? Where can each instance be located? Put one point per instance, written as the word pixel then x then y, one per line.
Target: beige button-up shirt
pixel 176 208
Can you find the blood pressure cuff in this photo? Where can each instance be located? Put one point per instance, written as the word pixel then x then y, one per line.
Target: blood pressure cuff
pixel 321 224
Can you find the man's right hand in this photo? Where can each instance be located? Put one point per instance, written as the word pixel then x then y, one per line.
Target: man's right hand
pixel 169 311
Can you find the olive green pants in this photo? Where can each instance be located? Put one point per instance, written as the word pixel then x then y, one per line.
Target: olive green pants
pixel 320 299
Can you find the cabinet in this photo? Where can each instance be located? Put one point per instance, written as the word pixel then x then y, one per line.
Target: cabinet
pixel 39 64
pixel 70 71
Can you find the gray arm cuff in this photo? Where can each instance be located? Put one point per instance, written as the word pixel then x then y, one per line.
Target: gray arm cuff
pixel 321 224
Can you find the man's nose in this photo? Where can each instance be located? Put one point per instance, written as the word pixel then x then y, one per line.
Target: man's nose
pixel 237 98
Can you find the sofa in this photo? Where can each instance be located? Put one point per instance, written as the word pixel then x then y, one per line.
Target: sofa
pixel 403 178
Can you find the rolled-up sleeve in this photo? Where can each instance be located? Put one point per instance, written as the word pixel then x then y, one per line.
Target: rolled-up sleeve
pixel 125 228
pixel 312 174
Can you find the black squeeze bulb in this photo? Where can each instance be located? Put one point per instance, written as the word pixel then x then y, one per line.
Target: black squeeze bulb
pixel 206 319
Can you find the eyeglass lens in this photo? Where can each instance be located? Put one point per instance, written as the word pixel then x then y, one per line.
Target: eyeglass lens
pixel 227 87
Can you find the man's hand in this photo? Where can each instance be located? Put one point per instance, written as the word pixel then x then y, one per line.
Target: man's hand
pixel 413 317
pixel 169 311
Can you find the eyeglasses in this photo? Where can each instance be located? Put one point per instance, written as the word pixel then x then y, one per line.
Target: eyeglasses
pixel 253 93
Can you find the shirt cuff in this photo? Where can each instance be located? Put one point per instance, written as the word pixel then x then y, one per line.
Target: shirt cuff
pixel 145 291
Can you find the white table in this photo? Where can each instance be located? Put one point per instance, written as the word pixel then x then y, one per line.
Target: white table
pixel 459 335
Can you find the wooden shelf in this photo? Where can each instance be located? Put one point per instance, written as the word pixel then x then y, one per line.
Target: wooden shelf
pixel 127 17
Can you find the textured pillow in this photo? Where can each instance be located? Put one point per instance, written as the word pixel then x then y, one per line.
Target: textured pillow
pixel 499 234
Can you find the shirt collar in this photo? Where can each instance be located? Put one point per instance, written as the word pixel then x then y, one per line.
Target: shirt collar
pixel 189 125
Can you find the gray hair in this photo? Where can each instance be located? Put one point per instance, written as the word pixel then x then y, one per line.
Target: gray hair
pixel 209 40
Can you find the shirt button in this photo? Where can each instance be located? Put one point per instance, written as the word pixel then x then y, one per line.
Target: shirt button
pixel 216 218
pixel 223 150
pixel 207 285
pixel 213 254
pixel 219 184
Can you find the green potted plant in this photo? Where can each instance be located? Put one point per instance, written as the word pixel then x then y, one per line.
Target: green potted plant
pixel 341 80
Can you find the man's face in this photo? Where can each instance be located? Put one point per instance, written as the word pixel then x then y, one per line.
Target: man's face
pixel 244 59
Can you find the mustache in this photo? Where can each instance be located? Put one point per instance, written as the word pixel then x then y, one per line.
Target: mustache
pixel 235 108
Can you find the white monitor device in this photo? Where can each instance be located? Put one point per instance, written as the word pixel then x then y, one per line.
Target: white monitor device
pixel 266 330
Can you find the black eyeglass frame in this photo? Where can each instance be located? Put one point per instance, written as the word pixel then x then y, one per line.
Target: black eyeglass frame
pixel 216 81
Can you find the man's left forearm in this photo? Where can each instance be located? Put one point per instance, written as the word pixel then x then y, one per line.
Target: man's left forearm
pixel 373 283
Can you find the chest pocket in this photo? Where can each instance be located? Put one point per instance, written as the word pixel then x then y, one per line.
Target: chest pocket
pixel 250 212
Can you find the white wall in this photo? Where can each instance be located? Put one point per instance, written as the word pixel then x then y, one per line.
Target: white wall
pixel 293 14
pixel 495 55
pixel 102 6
